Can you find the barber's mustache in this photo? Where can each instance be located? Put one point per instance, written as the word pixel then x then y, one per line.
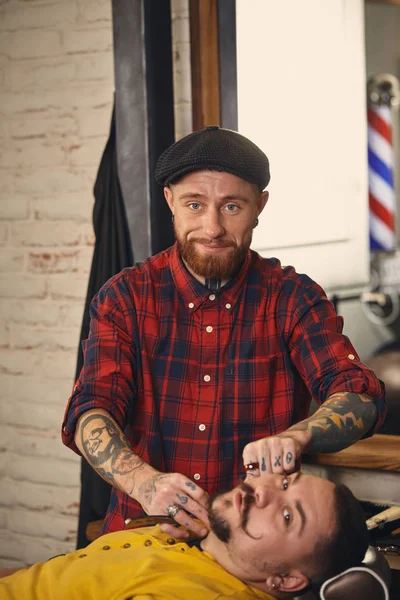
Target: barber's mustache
pixel 213 243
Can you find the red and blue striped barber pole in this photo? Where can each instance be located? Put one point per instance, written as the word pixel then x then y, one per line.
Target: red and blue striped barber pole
pixel 382 196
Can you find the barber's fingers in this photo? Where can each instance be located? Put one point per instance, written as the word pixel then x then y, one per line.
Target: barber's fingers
pixel 159 492
pixel 195 492
pixel 194 508
pixel 189 524
pixel 192 501
pixel 175 531
pixel 275 454
pixel 290 454
pixel 192 498
pixel 283 452
pixel 182 533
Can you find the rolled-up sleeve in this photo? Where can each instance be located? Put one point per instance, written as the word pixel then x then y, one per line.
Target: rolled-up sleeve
pixel 325 358
pixel 107 380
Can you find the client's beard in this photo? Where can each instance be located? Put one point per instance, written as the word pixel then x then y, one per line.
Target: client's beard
pixel 213 267
pixel 220 526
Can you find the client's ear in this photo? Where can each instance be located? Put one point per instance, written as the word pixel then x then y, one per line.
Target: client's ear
pixel 294 581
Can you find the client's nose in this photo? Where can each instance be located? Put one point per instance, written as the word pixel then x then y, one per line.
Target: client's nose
pixel 267 490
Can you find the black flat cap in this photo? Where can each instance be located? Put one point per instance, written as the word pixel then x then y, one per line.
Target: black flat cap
pixel 216 149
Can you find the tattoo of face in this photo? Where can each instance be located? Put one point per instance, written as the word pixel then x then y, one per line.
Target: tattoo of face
pixel 182 499
pixel 277 462
pixel 105 448
pixel 289 457
pixel 190 485
pixel 263 464
pixel 100 439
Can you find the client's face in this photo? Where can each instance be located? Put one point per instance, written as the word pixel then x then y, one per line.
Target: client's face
pixel 274 520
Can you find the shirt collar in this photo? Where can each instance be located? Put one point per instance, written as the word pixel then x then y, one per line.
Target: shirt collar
pixel 194 293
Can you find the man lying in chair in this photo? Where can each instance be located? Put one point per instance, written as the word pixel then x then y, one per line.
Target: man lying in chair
pixel 270 537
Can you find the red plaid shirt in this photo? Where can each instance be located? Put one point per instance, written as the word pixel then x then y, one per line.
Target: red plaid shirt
pixel 192 375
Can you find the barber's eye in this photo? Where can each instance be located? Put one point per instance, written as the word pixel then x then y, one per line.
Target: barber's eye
pixel 285 483
pixel 287 516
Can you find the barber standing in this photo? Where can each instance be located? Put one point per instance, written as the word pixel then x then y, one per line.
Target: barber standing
pixel 207 355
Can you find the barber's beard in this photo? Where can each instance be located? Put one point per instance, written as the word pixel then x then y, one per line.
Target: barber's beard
pixel 209 266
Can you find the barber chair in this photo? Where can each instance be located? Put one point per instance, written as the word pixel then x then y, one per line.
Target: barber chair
pixel 370 581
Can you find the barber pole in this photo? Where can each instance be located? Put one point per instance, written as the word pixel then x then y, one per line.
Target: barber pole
pixel 382 196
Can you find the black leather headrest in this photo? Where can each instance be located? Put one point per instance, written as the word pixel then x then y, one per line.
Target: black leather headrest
pixel 370 580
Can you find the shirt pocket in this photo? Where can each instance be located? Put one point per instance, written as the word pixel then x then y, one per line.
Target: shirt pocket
pixel 256 390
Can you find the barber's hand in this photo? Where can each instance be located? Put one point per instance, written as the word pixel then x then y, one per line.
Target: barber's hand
pixel 275 454
pixel 158 491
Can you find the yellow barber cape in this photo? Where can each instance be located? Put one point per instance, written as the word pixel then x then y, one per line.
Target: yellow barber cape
pixel 138 564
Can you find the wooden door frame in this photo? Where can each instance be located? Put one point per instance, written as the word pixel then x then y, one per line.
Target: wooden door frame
pixel 213 63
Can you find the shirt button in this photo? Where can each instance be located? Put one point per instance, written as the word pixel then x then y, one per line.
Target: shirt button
pixel 202 427
pixel 126 546
pixel 148 543
pixel 211 297
pixel 196 476
pixel 207 378
pixel 106 547
pixel 351 356
pixel 228 306
pixel 171 541
pixel 209 329
pixel 191 305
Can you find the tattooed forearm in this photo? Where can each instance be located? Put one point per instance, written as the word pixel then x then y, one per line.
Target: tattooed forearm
pixel 106 448
pixel 342 420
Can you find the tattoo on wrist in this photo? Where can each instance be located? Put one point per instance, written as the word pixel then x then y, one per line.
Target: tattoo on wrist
pixel 148 489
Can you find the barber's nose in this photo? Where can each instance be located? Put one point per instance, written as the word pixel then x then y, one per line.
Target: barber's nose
pixel 212 224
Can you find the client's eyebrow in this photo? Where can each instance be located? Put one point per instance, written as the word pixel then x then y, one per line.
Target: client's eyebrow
pixel 298 505
pixel 302 516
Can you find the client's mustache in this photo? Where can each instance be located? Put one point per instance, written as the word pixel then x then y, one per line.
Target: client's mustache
pixel 248 501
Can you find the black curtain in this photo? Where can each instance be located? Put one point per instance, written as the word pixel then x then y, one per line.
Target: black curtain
pixel 112 253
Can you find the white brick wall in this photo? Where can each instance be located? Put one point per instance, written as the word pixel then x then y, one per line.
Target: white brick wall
pixel 56 77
